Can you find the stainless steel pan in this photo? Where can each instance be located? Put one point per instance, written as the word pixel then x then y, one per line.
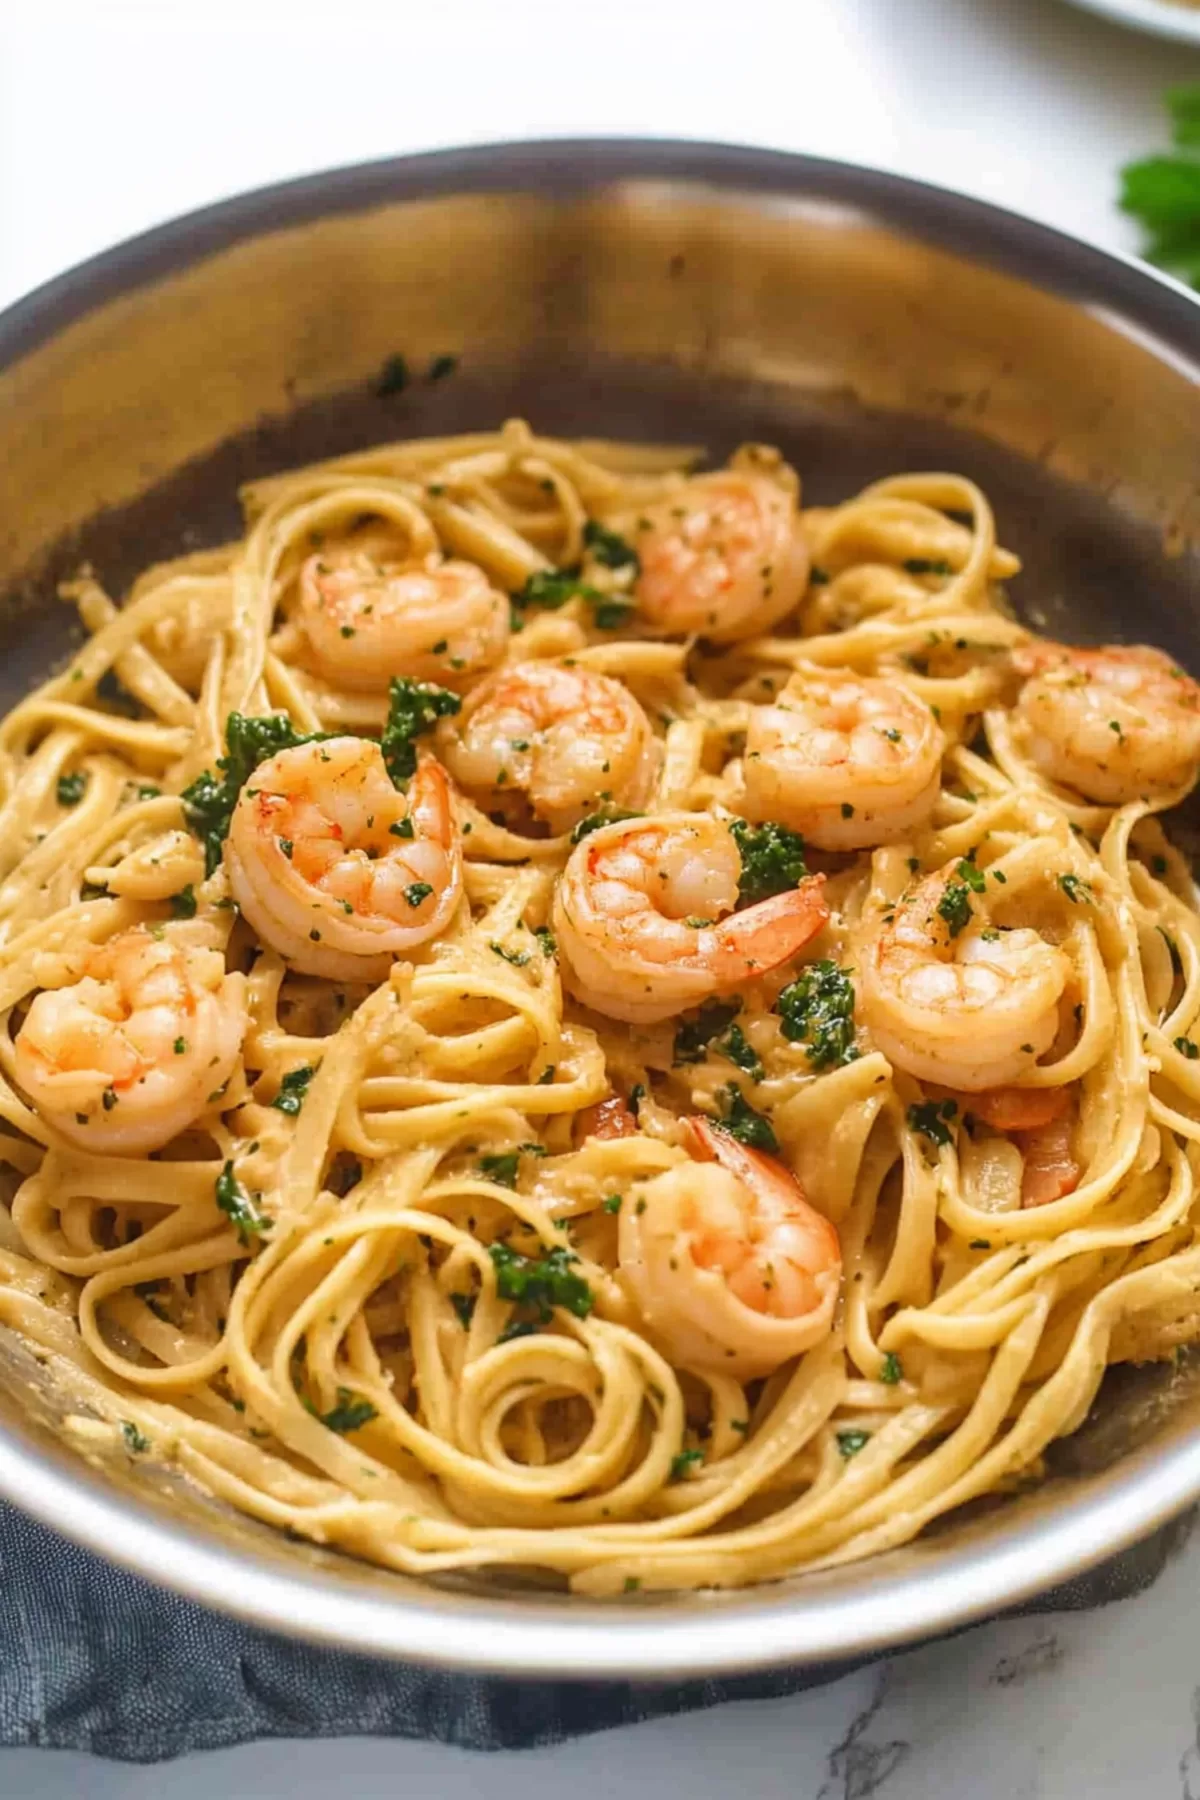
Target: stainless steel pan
pixel 867 324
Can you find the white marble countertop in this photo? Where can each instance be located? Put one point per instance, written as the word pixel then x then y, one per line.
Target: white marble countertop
pixel 1023 101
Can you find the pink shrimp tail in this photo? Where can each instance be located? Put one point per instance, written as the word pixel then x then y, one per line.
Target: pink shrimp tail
pixel 609 1118
pixel 752 942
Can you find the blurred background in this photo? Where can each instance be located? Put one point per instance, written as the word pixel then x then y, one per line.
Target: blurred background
pixel 117 113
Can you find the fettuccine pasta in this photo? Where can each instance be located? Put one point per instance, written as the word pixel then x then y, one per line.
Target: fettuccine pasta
pixel 560 1013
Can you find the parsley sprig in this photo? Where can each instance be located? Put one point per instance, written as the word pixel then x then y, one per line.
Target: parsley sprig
pixel 208 802
pixel 414 707
pixel 772 860
pixel 538 1284
pixel 817 1010
pixel 1163 191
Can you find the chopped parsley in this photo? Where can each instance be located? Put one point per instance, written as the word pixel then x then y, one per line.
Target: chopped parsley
pixel 393 377
pixel 1078 892
pixel 417 892
pixel 541 1283
pixel 772 860
pixel 208 802
pixel 135 1442
pixel 1187 1048
pixel 740 1120
pixel 292 1090
pixel 70 789
pixel 552 588
pixel 929 1118
pixel 955 904
pixel 817 1010
pixel 611 613
pixel 502 1165
pixel 239 1205
pixel 608 815
pixel 351 1413
pixel 851 1442
pixel 183 904
pixel 891 1370
pixel 741 1053
pixel 683 1464
pixel 441 366
pixel 609 548
pixel 695 1035
pixel 547 942
pixel 611 1203
pixel 414 707
pixel 518 958
pixel 925 565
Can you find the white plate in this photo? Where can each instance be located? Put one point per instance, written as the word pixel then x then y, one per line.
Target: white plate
pixel 1165 18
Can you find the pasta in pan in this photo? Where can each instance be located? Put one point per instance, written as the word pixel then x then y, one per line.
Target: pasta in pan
pixel 565 1014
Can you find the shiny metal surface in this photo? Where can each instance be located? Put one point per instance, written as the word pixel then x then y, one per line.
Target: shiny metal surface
pixel 867 324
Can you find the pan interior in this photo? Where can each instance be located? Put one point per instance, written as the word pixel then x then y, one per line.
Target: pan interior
pixel 867 327
pixel 1091 573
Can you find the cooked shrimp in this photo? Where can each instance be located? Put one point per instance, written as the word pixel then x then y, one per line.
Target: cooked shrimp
pixel 1050 1169
pixel 609 1118
pixel 568 739
pixel 723 555
pixel 366 620
pixel 847 760
pixel 947 998
pixel 1040 1123
pixel 338 870
pixel 636 914
pixel 729 1265
pixel 1019 1109
pixel 1114 724
pixel 128 1051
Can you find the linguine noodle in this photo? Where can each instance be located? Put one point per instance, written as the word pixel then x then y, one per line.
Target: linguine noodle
pixel 375 1289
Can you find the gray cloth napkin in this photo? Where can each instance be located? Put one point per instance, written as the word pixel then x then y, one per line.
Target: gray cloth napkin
pixel 94 1659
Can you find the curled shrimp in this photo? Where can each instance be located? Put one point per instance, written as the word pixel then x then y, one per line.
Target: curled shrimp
pixel 1114 724
pixel 134 1043
pixel 567 739
pixel 636 917
pixel 334 867
pixel 847 760
pixel 723 555
pixel 728 1263
pixel 366 621
pixel 1041 1124
pixel 949 999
